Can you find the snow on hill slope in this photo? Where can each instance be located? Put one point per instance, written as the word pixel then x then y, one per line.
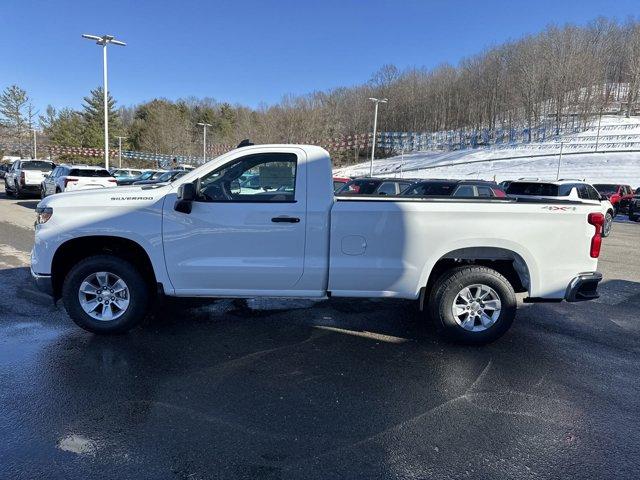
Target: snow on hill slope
pixel 612 163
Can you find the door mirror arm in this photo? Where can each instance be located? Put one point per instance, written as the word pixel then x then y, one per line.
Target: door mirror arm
pixel 186 196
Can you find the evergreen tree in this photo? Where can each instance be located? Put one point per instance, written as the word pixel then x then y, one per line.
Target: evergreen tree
pixel 15 114
pixel 93 117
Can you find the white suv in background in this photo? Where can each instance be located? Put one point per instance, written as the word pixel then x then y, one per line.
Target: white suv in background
pixel 76 177
pixel 576 190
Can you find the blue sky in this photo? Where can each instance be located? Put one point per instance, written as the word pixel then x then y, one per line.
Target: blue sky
pixel 254 51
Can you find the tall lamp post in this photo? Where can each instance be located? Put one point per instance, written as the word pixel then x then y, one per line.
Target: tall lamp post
pixel 204 141
pixel 105 40
pixel 35 145
pixel 377 101
pixel 120 151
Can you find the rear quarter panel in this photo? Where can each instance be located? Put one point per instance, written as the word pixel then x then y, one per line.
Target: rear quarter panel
pixel 388 248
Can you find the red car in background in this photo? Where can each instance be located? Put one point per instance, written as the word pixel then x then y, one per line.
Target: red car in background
pixel 618 194
pixel 339 182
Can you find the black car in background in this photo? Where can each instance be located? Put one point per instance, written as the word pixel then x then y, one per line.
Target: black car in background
pixel 375 186
pixel 454 188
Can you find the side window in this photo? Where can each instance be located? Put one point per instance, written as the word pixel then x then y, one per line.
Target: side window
pixel 593 193
pixel 565 190
pixel 582 191
pixel 263 177
pixel 387 188
pixel 464 191
pixel 55 172
pixel 484 191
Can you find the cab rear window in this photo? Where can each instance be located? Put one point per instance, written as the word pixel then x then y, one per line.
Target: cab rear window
pixel 534 189
pixel 40 166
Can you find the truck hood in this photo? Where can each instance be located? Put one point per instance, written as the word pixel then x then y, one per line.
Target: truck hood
pixel 107 197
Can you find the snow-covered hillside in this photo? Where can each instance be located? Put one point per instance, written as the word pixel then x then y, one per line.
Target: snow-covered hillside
pixel 612 163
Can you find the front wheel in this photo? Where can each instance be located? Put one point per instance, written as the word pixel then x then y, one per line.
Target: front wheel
pixel 105 294
pixel 473 304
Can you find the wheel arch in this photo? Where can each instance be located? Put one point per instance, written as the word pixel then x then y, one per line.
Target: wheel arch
pixel 509 263
pixel 76 249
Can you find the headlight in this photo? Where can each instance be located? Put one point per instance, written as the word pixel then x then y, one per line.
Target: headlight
pixel 43 214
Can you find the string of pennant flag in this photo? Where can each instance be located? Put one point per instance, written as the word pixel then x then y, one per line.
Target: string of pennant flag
pixel 387 142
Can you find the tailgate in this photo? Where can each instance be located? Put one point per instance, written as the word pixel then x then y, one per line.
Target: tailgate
pixel 33 177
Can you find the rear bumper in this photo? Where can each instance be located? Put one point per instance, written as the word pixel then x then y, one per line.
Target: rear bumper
pixel 43 283
pixel 583 287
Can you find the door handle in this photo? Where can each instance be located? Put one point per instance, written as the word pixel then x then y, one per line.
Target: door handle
pixel 285 220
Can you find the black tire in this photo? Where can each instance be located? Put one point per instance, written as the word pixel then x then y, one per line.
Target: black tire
pixel 7 190
pixel 446 289
pixel 139 294
pixel 632 216
pixel 18 192
pixel 608 224
pixel 42 194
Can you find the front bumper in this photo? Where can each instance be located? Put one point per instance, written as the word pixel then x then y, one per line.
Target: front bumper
pixel 583 287
pixel 43 283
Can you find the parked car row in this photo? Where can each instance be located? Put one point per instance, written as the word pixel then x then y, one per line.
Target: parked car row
pixel 419 187
pixel 45 178
pixel 611 198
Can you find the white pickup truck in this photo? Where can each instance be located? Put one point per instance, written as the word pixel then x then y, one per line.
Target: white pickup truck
pixel 109 253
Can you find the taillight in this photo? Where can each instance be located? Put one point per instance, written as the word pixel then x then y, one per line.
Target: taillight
pixel 597 220
pixel 67 181
pixel 113 180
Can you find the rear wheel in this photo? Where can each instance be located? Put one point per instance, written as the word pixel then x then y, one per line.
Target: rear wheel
pixel 105 294
pixel 473 304
pixel 17 191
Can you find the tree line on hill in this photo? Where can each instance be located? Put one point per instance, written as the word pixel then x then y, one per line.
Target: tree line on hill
pixel 562 74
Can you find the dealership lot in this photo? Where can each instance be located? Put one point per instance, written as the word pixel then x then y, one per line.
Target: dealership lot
pixel 332 389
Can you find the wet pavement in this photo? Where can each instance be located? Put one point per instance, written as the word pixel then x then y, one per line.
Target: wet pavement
pixel 335 389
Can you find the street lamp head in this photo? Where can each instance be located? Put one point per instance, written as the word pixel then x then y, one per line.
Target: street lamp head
pixel 204 124
pixel 104 39
pixel 378 100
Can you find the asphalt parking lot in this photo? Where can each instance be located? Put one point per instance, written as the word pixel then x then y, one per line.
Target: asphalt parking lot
pixel 331 389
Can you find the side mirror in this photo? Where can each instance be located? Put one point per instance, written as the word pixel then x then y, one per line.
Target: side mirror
pixel 46 175
pixel 185 198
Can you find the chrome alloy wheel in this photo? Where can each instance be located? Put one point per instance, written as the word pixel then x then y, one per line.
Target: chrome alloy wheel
pixel 104 296
pixel 476 307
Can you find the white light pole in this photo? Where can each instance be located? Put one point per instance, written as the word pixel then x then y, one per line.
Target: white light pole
pixel 105 40
pixel 559 161
pixel 598 134
pixel 35 145
pixel 120 151
pixel 377 101
pixel 204 141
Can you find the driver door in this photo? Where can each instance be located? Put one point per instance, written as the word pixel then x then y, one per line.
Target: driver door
pixel 246 231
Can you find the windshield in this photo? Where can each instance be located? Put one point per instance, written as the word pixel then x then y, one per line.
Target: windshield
pixel 606 188
pixel 431 188
pixel 533 189
pixel 145 175
pixel 87 172
pixel 40 166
